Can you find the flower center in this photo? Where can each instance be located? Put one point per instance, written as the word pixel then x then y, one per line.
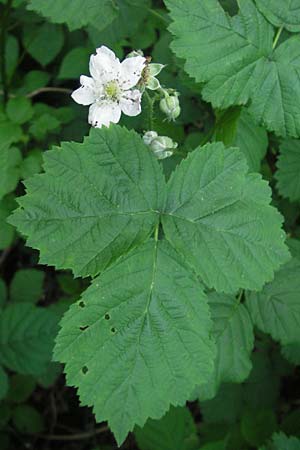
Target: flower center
pixel 112 90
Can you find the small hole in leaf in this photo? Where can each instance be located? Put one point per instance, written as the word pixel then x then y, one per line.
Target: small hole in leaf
pixel 82 304
pixel 83 328
pixel 84 370
pixel 113 330
pixel 107 316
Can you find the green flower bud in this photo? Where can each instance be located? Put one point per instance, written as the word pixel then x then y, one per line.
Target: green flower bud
pixel 170 106
pixel 162 146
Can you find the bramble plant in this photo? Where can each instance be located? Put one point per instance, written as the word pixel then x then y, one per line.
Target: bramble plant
pixel 149 218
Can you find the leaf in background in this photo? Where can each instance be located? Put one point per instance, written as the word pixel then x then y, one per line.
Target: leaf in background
pixel 7 232
pixel 32 163
pixel 26 338
pixel 19 110
pixel 11 55
pixel 234 56
pixel 233 333
pixel 4 383
pixel 35 79
pixel 220 219
pixel 258 426
pixel 288 170
pixel 27 419
pixel 174 431
pixel 27 286
pixel 3 293
pixel 128 342
pixel 43 42
pixel 91 219
pixel 10 160
pixel 76 13
pixel 236 128
pixel 281 442
pixel 276 309
pixel 75 63
pixel 281 13
pixel 9 133
pixel 20 389
pixel 292 352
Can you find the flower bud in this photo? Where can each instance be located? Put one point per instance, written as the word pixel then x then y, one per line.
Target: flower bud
pixel 162 146
pixel 170 106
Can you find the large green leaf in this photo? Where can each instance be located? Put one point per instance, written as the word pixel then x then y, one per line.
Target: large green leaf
pixel 233 333
pixel 139 338
pixel 281 13
pixel 76 13
pixel 234 56
pixel 26 338
pixel 276 309
pixel 287 175
pixel 219 218
pixel 282 442
pixel 95 201
pixel 175 431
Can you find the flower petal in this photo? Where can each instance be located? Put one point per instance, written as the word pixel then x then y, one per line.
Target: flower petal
pixel 104 66
pixel 85 94
pixel 130 102
pixel 131 71
pixel 104 114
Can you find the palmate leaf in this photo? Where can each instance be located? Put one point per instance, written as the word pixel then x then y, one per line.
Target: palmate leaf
pixel 139 338
pixel 76 13
pixel 95 201
pixel 288 164
pixel 219 218
pixel 233 334
pixel 276 309
pixel 234 56
pixel 281 13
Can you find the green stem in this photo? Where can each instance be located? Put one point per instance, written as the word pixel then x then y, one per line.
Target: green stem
pixel 279 31
pixel 150 108
pixel 4 26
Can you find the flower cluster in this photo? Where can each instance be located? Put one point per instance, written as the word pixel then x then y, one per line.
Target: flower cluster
pixel 117 87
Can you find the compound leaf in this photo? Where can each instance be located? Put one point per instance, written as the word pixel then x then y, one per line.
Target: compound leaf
pixel 95 201
pixel 235 57
pixel 281 13
pixel 220 219
pixel 287 175
pixel 128 342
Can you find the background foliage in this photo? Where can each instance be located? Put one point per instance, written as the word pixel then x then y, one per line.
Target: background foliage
pixel 237 69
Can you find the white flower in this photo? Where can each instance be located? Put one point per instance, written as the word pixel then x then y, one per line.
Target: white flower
pixel 109 90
